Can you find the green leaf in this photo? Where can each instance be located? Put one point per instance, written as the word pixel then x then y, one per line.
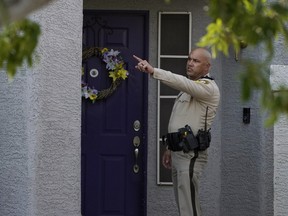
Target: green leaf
pixel 18 41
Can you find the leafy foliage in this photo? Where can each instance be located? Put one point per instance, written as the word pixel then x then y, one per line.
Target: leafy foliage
pixel 254 22
pixel 18 41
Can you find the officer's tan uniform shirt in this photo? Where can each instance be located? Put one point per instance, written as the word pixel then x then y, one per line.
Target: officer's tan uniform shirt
pixel 190 105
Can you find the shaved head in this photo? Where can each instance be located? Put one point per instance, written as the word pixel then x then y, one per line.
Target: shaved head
pixel 204 53
pixel 198 63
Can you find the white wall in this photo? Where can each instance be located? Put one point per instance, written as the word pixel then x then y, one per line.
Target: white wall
pixel 40 121
pixel 279 76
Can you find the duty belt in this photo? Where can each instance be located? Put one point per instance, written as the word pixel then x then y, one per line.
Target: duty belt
pixel 184 140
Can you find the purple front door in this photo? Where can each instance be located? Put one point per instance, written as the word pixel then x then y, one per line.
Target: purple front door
pixel 114 129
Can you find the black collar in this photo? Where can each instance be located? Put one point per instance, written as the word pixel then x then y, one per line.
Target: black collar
pixel 207 77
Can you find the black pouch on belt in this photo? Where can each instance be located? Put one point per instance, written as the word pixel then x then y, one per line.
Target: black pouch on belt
pixel 183 140
pixel 188 140
pixel 173 140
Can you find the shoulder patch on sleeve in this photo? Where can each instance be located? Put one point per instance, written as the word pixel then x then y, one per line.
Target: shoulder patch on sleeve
pixel 202 81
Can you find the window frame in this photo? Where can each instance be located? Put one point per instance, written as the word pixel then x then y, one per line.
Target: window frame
pixel 160 169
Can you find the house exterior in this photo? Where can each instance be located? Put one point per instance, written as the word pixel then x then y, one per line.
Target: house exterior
pixel 41 124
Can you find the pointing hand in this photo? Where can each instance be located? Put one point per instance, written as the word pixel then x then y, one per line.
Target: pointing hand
pixel 143 65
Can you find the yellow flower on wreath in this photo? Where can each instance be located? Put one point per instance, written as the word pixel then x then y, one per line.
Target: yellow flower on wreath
pixel 104 50
pixel 118 73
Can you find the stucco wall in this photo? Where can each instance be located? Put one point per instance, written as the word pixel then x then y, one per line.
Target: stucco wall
pixel 40 121
pixel 246 168
pixel 279 76
pixel 14 180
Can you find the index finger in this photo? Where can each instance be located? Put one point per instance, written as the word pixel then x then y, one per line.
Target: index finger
pixel 137 58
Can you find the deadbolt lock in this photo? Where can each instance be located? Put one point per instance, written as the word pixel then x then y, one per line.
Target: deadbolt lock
pixel 136 125
pixel 136 141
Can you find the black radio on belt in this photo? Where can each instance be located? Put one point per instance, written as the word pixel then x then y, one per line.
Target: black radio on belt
pixel 204 136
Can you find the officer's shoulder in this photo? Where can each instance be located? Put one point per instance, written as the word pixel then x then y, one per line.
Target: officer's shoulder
pixel 205 80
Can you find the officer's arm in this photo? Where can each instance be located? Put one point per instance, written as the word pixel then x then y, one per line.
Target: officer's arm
pixel 203 88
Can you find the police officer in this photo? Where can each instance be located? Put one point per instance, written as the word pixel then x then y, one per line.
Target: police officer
pixel 195 106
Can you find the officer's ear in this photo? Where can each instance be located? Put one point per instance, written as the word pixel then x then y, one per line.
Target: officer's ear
pixel 208 66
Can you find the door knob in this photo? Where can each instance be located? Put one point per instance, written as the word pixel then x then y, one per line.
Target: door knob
pixel 136 166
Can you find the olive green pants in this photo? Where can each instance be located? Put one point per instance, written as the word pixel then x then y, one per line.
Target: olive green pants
pixel 186 170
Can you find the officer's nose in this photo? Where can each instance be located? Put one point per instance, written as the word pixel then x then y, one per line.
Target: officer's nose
pixel 190 62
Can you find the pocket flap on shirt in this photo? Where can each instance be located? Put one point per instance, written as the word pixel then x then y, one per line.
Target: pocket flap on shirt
pixel 184 98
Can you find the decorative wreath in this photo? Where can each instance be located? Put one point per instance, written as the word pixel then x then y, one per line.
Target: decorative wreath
pixel 115 66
